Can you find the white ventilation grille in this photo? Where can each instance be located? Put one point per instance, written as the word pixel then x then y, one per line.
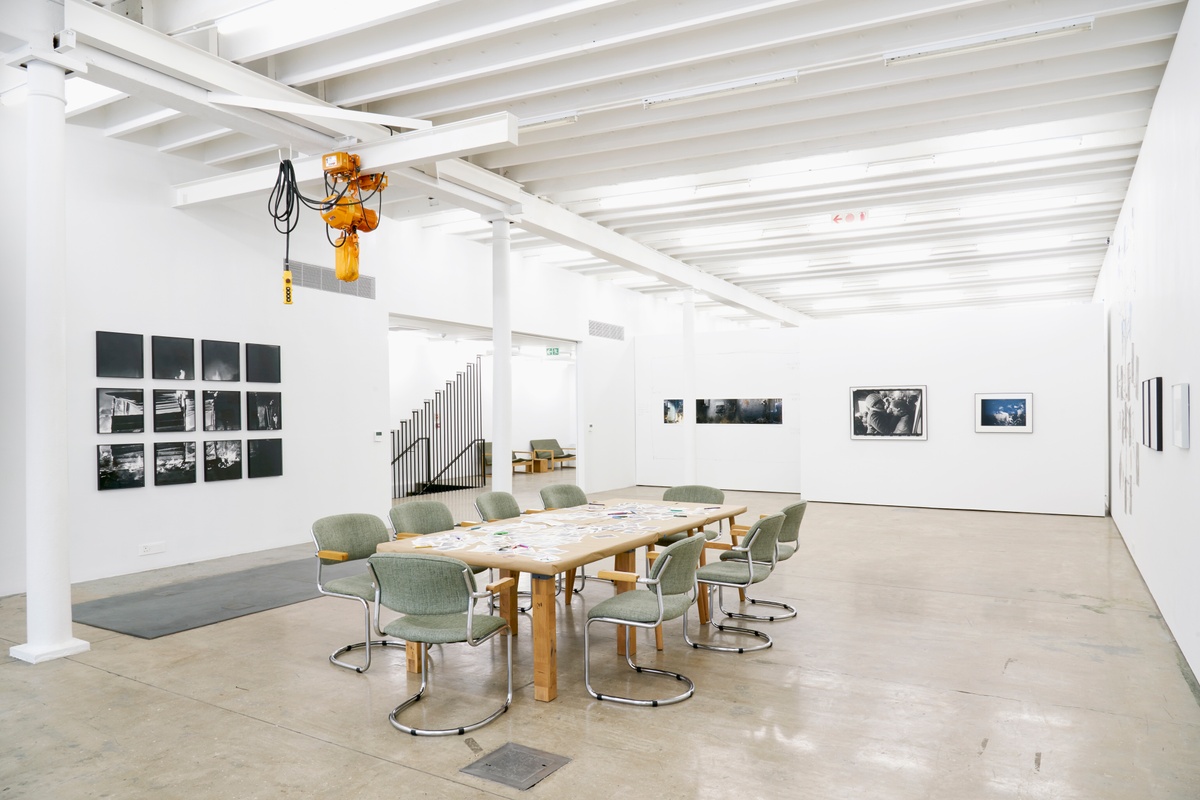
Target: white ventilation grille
pixel 310 276
pixel 606 330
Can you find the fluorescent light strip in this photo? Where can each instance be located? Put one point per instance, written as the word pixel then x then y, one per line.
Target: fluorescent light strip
pixel 548 121
pixel 722 89
pixel 987 41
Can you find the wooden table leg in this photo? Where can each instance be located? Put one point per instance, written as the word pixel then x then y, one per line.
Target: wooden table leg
pixel 702 601
pixel 625 562
pixel 412 657
pixel 545 639
pixel 508 599
pixel 569 584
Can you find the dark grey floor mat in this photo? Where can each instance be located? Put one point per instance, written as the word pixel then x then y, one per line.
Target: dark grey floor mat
pixel 192 604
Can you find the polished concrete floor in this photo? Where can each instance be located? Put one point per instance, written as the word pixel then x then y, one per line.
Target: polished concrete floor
pixel 936 654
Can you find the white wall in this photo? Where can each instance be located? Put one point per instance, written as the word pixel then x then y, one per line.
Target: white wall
pixel 1057 354
pixel 1151 287
pixel 136 265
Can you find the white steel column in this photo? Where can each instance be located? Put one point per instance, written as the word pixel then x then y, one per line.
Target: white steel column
pixel 689 388
pixel 501 359
pixel 47 564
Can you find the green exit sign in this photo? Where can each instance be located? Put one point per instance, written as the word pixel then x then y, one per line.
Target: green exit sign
pixel 551 351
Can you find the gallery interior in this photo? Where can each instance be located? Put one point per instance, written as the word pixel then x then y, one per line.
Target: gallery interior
pixel 928 268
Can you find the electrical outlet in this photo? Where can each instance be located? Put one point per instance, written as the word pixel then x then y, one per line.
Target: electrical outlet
pixel 149 548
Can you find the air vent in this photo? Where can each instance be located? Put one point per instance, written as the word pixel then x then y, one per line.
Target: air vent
pixel 606 330
pixel 310 276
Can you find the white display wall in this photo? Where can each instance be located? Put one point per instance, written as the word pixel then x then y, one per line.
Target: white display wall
pixel 1057 354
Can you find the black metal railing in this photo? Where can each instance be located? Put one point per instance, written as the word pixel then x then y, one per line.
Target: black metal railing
pixel 440 448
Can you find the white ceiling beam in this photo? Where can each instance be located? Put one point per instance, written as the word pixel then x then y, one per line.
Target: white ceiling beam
pixel 190 66
pixel 557 224
pixel 441 30
pixel 417 147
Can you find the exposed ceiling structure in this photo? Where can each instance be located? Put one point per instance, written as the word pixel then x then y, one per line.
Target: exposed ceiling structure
pixel 784 158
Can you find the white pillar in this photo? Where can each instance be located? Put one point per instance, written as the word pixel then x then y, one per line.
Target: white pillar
pixel 47 555
pixel 502 359
pixel 689 388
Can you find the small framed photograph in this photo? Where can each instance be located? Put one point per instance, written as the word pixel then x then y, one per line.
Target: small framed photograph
pixel 264 458
pixel 672 411
pixel 219 361
pixel 888 412
pixel 223 460
pixel 1004 412
pixel 120 466
pixel 222 410
pixel 174 463
pixel 262 363
pixel 263 412
pixel 174 410
pixel 174 358
pixel 118 355
pixel 120 411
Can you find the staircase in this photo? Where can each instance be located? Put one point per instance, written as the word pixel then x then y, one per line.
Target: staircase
pixel 440 449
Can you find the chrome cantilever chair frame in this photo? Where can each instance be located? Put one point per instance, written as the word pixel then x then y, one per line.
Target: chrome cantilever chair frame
pixel 331 557
pixel 716 576
pixel 792 516
pixel 473 596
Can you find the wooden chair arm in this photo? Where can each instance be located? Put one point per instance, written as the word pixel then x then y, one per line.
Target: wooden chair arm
pixel 333 555
pixel 718 546
pixel 617 577
pixel 652 556
pixel 467 524
pixel 407 535
pixel 739 529
pixel 503 583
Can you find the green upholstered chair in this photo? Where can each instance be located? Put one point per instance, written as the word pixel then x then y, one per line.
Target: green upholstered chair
pixel 419 517
pixel 692 493
pixel 550 450
pixel 785 548
pixel 342 538
pixel 757 561
pixel 435 596
pixel 566 495
pixel 496 505
pixel 670 592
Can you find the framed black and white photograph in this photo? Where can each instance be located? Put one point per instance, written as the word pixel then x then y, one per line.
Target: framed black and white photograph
pixel 223 460
pixel 120 466
pixel 264 458
pixel 730 411
pixel 1180 414
pixel 120 411
pixel 1004 412
pixel 672 411
pixel 119 355
pixel 262 363
pixel 174 410
pixel 222 410
pixel 219 361
pixel 174 358
pixel 263 412
pixel 887 412
pixel 1152 413
pixel 174 463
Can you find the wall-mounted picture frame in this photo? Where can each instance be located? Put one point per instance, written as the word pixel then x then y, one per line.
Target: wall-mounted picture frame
pixel 119 355
pixel 174 463
pixel 174 359
pixel 262 363
pixel 672 411
pixel 1004 412
pixel 264 458
pixel 888 412
pixel 222 410
pixel 263 412
pixel 223 460
pixel 1181 415
pixel 736 411
pixel 120 466
pixel 1152 413
pixel 219 361
pixel 174 410
pixel 120 411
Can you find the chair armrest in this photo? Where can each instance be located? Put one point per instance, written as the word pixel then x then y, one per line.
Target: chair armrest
pixel 618 577
pixel 739 530
pixel 406 535
pixel 499 585
pixel 718 546
pixel 333 555
pixel 468 524
pixel 534 510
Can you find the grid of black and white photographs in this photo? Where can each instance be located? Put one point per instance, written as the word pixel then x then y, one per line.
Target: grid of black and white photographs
pixel 263 412
pixel 759 411
pixel 264 458
pixel 887 412
pixel 1004 412
pixel 122 409
pixel 174 463
pixel 120 466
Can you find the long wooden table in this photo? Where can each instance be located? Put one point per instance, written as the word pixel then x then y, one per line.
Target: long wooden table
pixel 548 543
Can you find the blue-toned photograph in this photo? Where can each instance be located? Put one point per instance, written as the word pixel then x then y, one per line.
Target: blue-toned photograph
pixel 1003 413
